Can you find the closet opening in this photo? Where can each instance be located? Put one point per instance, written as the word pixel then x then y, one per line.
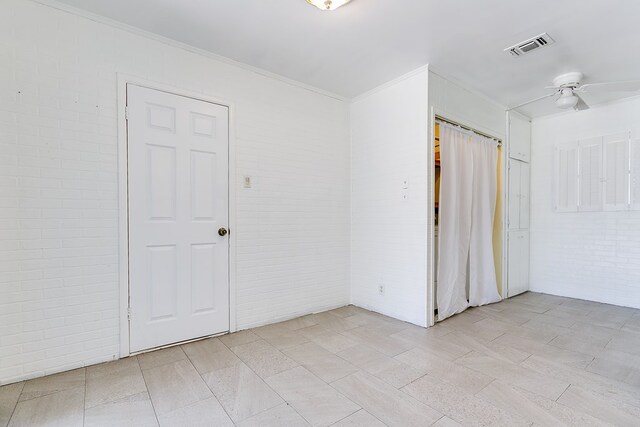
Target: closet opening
pixel 468 232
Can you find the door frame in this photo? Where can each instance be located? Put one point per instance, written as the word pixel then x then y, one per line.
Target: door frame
pixel 123 197
pixel 437 112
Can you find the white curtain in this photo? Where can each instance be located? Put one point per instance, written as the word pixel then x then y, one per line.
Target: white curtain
pixel 468 190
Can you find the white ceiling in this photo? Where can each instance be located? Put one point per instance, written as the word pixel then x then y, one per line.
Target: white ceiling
pixel 369 42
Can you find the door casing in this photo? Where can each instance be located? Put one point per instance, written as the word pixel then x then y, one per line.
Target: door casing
pixel 123 206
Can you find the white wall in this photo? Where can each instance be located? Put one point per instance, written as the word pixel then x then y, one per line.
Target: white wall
pixel 388 247
pixel 58 186
pixel 453 101
pixel 587 255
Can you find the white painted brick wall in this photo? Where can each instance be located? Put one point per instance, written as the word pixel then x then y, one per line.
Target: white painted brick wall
pixel 587 255
pixel 389 245
pixel 58 186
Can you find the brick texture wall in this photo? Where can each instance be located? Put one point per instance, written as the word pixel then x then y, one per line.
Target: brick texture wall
pixel 587 255
pixel 59 291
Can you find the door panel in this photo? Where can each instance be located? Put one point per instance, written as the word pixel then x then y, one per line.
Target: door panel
pixel 514 194
pixel 178 199
pixel 519 138
pixel 518 268
pixel 525 172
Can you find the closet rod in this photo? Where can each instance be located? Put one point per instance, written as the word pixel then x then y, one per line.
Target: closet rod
pixel 443 120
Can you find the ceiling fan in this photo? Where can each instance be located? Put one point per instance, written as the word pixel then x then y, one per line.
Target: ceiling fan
pixel 568 88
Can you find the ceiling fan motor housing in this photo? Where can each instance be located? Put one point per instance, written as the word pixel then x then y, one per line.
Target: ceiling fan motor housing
pixel 571 80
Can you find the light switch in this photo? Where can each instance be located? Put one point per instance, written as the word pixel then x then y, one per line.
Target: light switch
pixel 246 182
pixel 405 183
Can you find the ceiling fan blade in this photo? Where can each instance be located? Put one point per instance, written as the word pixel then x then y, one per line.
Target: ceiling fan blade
pixel 581 105
pixel 532 101
pixel 627 86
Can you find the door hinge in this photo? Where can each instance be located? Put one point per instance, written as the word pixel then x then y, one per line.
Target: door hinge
pixel 126 113
pixel 128 313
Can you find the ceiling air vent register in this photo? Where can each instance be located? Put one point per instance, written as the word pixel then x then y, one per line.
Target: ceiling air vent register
pixel 531 44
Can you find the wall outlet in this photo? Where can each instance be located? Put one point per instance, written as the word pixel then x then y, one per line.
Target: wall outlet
pixel 381 289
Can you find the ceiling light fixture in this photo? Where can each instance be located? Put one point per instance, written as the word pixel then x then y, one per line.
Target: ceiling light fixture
pixel 328 4
pixel 567 99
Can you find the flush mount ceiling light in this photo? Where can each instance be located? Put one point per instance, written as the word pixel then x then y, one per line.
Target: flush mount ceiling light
pixel 328 4
pixel 567 99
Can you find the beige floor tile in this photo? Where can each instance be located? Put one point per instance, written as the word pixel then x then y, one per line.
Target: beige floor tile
pixel 269 331
pixel 508 315
pixel 360 419
pixel 610 369
pixel 623 394
pixel 112 381
pixel 537 325
pixel 416 333
pixel 334 342
pixel 299 322
pixel 388 345
pixel 62 409
pixel 584 401
pixel 135 410
pixel 153 359
pixel 394 372
pixel 590 329
pixel 476 366
pixel 461 376
pixel 459 405
pixel 627 342
pixel 53 383
pixel 280 416
pixel 175 386
pixel 382 324
pixel 314 331
pixel 444 347
pixel 346 311
pixel 464 319
pixel 312 398
pixel 566 416
pixel 489 348
pixel 583 344
pixel 238 338
pixel 210 355
pixel 516 375
pixel 241 392
pixel 9 395
pixel 632 325
pixel 287 339
pixel 205 413
pixel 362 355
pixel 569 357
pixel 446 422
pixel 510 399
pixel 336 323
pixel 385 402
pixel 263 358
pixel 324 364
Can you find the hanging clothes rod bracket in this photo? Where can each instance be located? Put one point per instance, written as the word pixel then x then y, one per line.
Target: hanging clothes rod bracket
pixel 467 128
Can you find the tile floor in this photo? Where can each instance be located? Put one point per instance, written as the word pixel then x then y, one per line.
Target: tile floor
pixel 533 359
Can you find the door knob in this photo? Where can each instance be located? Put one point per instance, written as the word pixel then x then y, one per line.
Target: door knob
pixel 222 232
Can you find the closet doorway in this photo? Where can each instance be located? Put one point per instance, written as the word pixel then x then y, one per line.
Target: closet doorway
pixel 468 230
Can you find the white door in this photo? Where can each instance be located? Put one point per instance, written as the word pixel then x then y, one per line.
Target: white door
pixel 178 200
pixel 519 137
pixel 518 269
pixel 514 193
pixel 525 172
